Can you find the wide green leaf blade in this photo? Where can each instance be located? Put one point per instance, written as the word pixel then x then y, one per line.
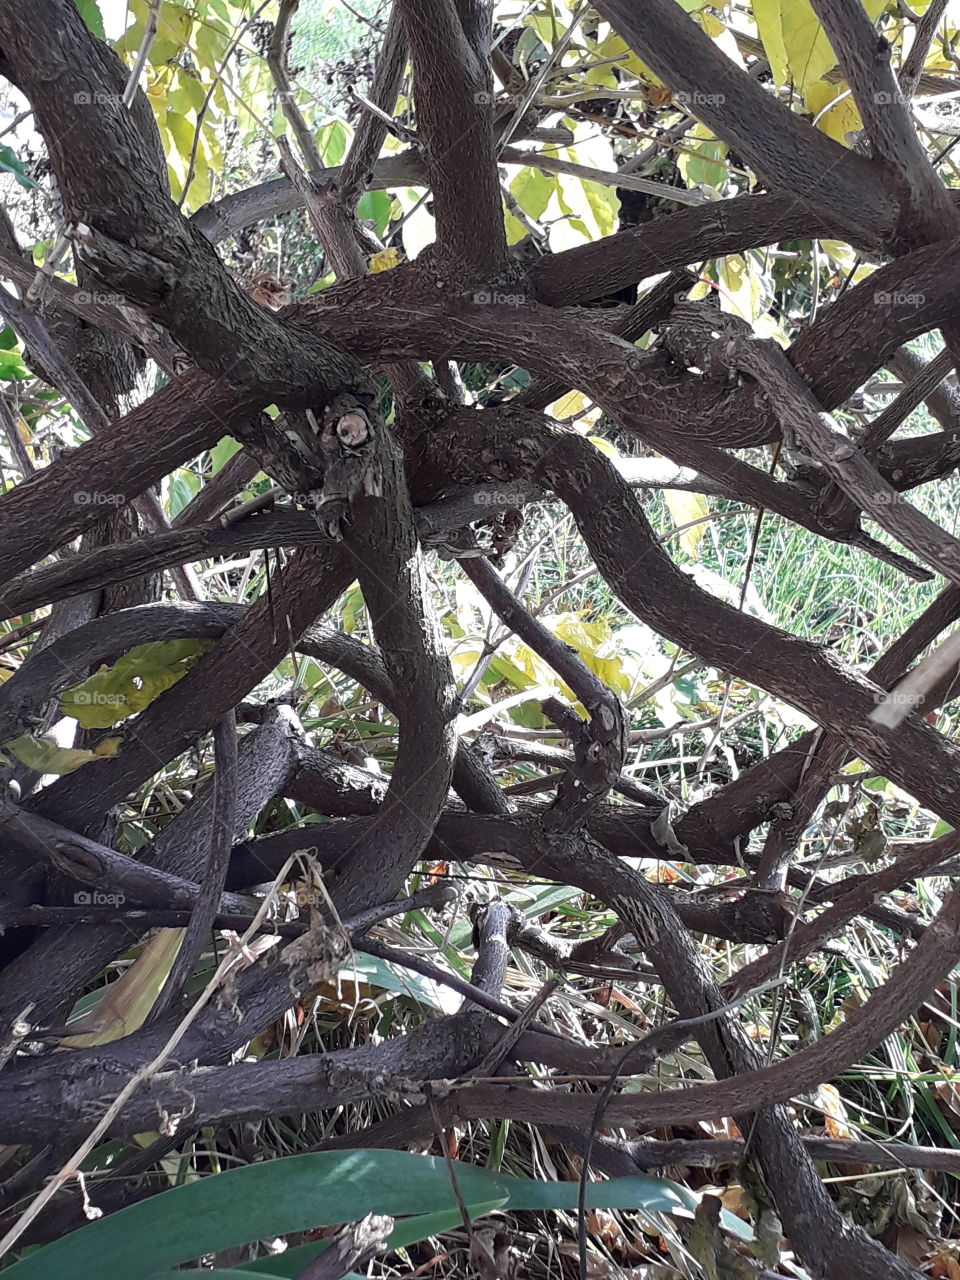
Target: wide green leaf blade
pixel 302 1192
pixel 407 1231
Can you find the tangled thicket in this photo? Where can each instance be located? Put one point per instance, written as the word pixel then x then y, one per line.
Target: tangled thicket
pixel 389 458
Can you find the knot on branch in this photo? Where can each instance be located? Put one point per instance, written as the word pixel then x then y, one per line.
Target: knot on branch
pixel 325 462
pixel 599 745
pixel 133 270
pixel 700 336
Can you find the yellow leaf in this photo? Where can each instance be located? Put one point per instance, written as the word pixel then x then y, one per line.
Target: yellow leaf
pixel 837 120
pixel 385 260
pixel 605 446
pixel 685 509
pixel 464 660
pixel 126 1002
pixel 834 1112
pixel 572 405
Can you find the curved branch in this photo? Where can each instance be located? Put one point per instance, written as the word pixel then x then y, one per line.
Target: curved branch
pixel 781 148
pixel 135 452
pixel 619 537
pixel 600 744
pixel 129 233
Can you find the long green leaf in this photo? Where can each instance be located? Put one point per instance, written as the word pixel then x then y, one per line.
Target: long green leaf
pixel 302 1192
pixel 406 1232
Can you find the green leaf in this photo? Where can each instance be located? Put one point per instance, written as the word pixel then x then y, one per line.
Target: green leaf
pixel 222 452
pixel 114 693
pixel 181 487
pixel 190 92
pixel 352 607
pixel 11 365
pixel 407 1231
pixel 376 207
pixel 332 143
pixel 304 1192
pixel 92 17
pixel 210 43
pixel 10 162
pixel 532 191
pixel 378 973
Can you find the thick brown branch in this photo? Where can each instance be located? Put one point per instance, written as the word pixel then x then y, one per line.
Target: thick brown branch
pixel 453 94
pixel 778 144
pixel 129 233
pixel 926 212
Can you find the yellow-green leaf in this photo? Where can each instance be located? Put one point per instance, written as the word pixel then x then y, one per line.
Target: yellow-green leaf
pixel 767 15
pixel 514 227
pixel 705 166
pixel 126 1002
pixel 686 508
pixel 794 41
pixel 532 191
pixel 131 684
pixel 182 132
pixel 744 290
pixel 47 756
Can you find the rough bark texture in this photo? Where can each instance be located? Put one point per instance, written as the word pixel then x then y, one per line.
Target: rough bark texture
pixel 384 495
